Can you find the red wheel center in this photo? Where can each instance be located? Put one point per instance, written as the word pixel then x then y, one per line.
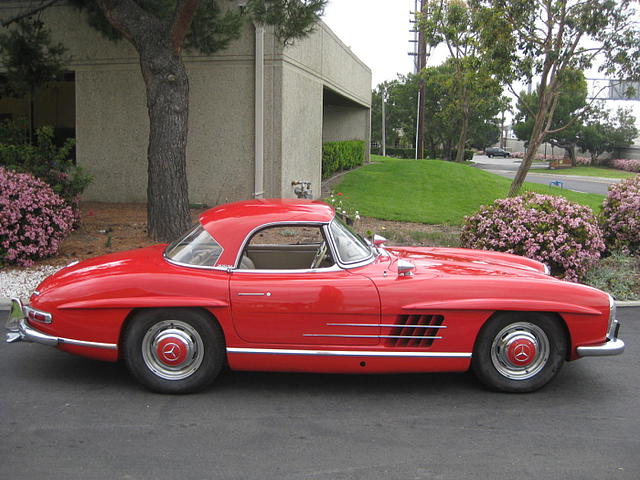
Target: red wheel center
pixel 172 351
pixel 521 352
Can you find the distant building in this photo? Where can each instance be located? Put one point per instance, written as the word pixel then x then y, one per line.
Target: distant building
pixel 314 91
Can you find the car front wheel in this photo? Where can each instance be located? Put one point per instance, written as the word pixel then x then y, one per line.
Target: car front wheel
pixel 174 350
pixel 519 352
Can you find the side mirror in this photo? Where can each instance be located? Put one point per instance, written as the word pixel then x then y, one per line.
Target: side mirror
pixel 378 240
pixel 405 269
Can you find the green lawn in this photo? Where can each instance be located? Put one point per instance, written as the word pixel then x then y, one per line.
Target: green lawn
pixel 591 172
pixel 431 191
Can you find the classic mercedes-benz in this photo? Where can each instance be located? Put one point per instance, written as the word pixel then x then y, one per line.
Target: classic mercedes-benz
pixel 284 285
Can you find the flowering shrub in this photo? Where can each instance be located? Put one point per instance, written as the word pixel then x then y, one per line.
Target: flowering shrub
pixel 623 164
pixel 620 216
pixel 553 230
pixel 33 219
pixel 47 162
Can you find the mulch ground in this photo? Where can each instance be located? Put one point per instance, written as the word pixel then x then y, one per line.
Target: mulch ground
pixel 112 227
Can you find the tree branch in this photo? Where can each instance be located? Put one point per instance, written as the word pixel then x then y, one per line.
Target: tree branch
pixel 185 11
pixel 32 11
pixel 127 17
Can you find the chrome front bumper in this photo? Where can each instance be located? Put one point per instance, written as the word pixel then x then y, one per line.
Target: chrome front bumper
pixel 19 330
pixel 613 345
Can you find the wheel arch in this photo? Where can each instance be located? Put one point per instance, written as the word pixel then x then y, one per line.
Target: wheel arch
pixel 136 311
pixel 555 316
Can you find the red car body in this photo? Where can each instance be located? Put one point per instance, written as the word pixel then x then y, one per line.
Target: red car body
pixel 401 309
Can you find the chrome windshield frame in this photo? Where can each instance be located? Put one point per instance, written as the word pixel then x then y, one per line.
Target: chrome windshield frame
pixel 334 249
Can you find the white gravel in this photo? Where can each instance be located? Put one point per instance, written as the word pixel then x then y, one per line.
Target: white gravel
pixel 20 283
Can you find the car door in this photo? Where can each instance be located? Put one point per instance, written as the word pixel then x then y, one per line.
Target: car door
pixel 326 305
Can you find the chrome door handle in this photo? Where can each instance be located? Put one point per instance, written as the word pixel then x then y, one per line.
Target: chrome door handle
pixel 254 294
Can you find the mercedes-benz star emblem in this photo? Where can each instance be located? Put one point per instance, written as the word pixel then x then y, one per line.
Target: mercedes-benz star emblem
pixel 521 352
pixel 171 351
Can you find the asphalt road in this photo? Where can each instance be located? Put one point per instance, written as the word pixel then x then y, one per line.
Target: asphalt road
pixel 67 417
pixel 569 182
pixel 507 167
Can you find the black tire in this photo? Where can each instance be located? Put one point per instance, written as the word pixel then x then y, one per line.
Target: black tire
pixel 519 351
pixel 174 350
pixel 489 156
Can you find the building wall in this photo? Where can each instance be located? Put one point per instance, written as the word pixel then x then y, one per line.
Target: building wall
pixel 344 123
pixel 301 131
pixel 320 61
pixel 112 125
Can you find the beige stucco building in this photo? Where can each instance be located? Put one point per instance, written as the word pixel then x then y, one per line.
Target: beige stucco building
pixel 256 122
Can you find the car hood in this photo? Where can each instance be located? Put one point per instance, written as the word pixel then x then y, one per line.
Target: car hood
pixel 459 261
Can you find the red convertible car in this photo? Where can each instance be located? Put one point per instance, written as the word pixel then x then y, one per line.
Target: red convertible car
pixel 284 285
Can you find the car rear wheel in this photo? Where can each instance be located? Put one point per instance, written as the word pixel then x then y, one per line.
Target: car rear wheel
pixel 174 350
pixel 519 352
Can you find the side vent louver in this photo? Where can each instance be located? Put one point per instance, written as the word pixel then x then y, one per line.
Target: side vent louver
pixel 416 331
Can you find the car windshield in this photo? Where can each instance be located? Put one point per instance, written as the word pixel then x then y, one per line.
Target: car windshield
pixel 351 247
pixel 197 248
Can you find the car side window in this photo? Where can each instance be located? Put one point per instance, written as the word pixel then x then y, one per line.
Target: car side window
pixel 287 247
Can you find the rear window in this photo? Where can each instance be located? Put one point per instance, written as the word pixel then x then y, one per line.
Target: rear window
pixel 197 248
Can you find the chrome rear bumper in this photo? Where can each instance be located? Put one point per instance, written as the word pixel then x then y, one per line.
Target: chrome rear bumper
pixel 613 345
pixel 19 330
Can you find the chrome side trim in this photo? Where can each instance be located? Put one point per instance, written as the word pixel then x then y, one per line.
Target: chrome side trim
pixel 362 336
pixel 332 268
pixel 382 325
pixel 348 353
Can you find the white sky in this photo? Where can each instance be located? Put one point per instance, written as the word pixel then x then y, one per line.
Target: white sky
pixel 377 31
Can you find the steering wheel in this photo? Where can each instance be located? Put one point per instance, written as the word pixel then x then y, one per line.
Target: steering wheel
pixel 321 254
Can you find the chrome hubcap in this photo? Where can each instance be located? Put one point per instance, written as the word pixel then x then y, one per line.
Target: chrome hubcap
pixel 520 350
pixel 172 349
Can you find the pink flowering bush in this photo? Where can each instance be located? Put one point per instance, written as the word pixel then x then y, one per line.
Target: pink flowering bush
pixel 33 219
pixel 620 216
pixel 624 164
pixel 553 230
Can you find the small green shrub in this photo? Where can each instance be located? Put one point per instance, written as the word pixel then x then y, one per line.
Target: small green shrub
pixel 618 274
pixel 467 157
pixel 338 156
pixel 401 152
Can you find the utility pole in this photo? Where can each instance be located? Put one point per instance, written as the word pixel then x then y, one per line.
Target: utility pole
pixel 420 63
pixel 383 92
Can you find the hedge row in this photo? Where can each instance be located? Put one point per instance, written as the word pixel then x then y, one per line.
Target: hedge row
pixel 341 156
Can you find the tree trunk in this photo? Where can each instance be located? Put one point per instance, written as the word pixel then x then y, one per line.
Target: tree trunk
pixel 571 152
pixel 159 46
pixel 537 136
pixel 168 106
pixel 462 138
pixel 545 111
